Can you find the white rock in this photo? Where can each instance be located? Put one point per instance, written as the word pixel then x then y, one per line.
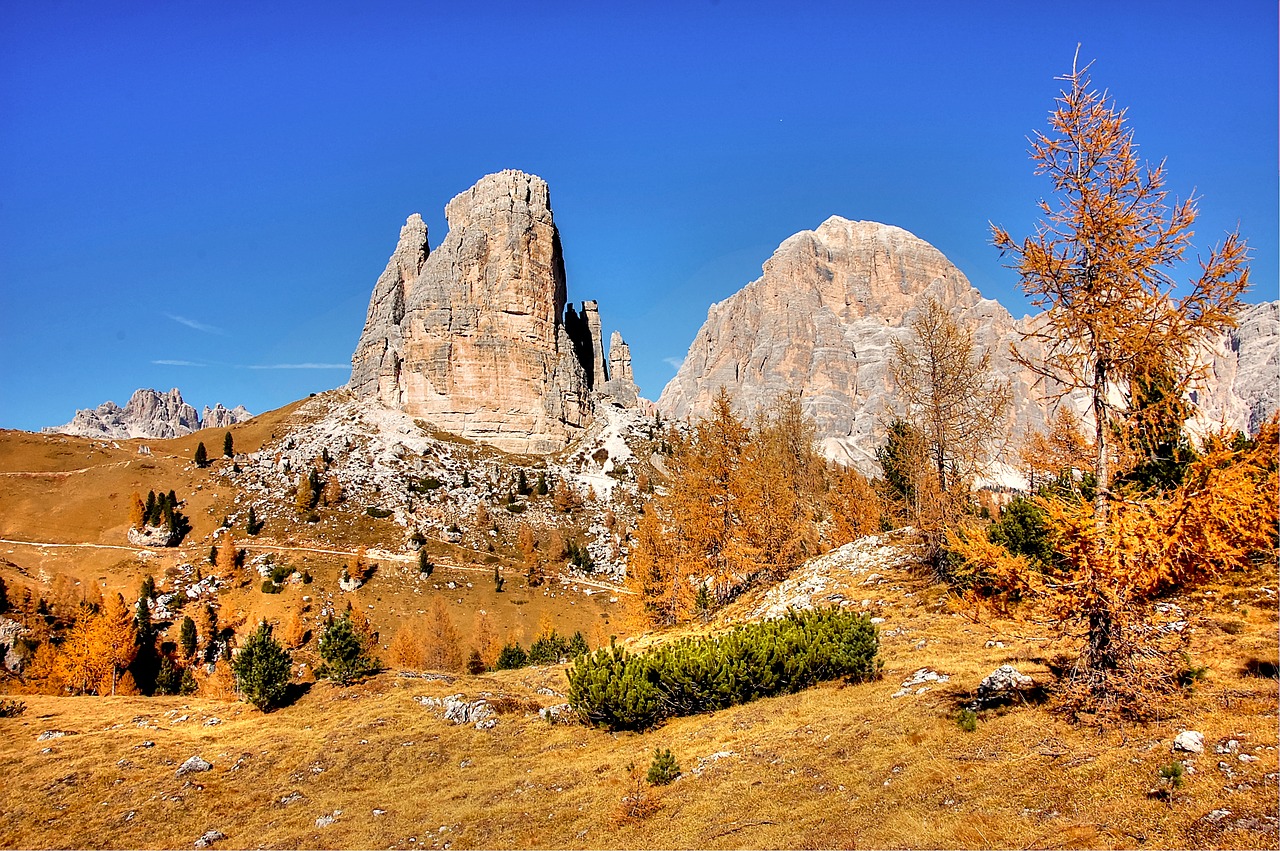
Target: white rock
pixel 1189 741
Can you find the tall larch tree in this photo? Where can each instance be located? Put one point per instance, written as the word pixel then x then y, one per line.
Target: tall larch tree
pixel 949 394
pixel 1102 264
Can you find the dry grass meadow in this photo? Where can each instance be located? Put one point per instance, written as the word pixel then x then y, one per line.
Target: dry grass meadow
pixel 833 767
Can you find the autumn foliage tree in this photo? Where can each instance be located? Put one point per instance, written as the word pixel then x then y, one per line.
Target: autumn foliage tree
pixel 1104 576
pixel 441 648
pixel 741 508
pixel 1102 265
pixel 98 648
pixel 951 416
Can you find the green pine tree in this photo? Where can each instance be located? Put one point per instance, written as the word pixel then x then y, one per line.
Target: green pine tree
pixel 187 638
pixel 202 455
pixel 262 669
pixel 228 448
pixel 345 656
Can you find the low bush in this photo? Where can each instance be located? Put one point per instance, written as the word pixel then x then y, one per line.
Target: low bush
pixel 11 708
pixel 512 656
pixel 378 513
pixel 621 691
pixel 663 769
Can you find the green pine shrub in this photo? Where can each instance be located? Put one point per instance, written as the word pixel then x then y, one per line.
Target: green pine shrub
pixel 262 669
pixel 512 656
pixel 623 691
pixel 345 656
pixel 664 769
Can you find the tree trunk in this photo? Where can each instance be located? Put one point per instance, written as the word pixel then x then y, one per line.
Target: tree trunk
pixel 1101 469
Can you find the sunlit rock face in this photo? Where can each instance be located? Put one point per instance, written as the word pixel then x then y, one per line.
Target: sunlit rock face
pixel 476 336
pixel 821 320
pixel 148 414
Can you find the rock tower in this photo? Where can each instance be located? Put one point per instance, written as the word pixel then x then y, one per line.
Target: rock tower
pixel 477 336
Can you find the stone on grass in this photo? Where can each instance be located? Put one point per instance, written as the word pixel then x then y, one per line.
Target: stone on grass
pixel 53 734
pixel 193 766
pixel 1189 741
pixel 1003 683
pixel 209 837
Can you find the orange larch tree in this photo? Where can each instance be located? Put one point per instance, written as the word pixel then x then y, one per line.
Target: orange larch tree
pixel 1102 263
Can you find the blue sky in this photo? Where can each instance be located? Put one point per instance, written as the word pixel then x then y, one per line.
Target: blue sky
pixel 201 195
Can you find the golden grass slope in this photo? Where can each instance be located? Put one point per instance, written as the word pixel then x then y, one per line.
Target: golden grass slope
pixel 832 767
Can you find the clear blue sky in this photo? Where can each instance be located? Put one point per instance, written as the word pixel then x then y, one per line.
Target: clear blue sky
pixel 202 194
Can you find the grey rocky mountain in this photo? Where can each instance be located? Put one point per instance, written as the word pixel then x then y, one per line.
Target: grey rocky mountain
pixel 822 317
pixel 148 414
pixel 476 336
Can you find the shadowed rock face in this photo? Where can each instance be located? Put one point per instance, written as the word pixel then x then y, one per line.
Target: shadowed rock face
pixel 476 336
pixel 822 318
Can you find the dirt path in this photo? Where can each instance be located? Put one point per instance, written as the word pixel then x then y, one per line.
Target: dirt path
pixel 374 555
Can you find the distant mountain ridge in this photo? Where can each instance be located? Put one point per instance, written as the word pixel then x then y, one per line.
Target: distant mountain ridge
pixel 822 318
pixel 148 414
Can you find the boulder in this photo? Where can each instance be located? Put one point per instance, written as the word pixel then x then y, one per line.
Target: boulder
pixel 209 837
pixel 560 713
pixel 1189 741
pixel 454 708
pixel 194 765
pixel 1004 683
pixel 11 632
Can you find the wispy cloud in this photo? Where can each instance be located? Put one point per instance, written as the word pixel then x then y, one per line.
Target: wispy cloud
pixel 674 363
pixel 199 326
pixel 300 366
pixel 176 363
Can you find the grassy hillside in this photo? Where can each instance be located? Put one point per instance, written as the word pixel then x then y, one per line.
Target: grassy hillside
pixel 835 766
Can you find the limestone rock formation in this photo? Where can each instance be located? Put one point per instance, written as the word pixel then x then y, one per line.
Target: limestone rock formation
pixel 148 414
pixel 821 321
pixel 220 417
pixel 1243 386
pixel 477 336
pixel 620 386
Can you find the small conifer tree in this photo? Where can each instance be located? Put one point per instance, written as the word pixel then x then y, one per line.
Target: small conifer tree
pixel 262 669
pixel 346 658
pixel 187 638
pixel 228 447
pixel 663 769
pixel 202 455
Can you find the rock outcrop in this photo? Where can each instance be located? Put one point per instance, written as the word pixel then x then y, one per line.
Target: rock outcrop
pixel 476 336
pixel 821 321
pixel 1243 386
pixel 148 414
pixel 822 318
pixel 220 417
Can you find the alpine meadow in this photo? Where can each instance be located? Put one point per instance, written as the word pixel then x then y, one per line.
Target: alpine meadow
pixel 882 566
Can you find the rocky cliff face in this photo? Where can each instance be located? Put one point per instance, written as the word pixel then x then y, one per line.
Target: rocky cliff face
pixel 148 414
pixel 476 336
pixel 821 321
pixel 220 417
pixel 1243 386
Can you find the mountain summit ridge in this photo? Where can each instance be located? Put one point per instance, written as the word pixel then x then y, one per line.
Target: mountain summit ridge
pixel 822 318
